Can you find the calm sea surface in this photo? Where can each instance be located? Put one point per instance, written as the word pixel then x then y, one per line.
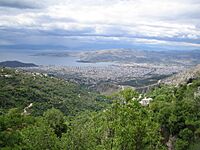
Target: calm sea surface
pixel 28 57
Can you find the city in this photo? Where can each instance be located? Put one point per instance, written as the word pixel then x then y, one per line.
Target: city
pixel 118 74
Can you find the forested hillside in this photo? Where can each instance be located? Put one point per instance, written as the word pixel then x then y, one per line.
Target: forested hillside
pixel 19 89
pixel 167 117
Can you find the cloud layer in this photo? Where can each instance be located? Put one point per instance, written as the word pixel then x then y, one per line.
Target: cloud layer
pixel 100 24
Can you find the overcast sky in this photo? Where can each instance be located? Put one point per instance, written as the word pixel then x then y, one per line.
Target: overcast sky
pixel 99 24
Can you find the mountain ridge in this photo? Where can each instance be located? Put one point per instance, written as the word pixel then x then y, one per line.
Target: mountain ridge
pixel 15 64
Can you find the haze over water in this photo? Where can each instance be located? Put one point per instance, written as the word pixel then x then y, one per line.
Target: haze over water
pixel 30 57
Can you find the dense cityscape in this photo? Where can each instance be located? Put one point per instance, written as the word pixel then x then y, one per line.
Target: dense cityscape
pixel 118 73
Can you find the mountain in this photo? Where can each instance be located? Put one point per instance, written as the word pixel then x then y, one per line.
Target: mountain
pixel 19 89
pixel 14 64
pixel 184 58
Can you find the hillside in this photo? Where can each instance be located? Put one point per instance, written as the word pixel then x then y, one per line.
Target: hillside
pixel 14 64
pixel 184 77
pixel 20 89
pixel 37 112
pixel 182 58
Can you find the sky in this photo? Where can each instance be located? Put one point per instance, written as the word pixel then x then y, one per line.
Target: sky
pixel 99 24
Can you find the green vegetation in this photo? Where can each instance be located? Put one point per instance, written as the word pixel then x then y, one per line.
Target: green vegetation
pixel 20 89
pixel 171 120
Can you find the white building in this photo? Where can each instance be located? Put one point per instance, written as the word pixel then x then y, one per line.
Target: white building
pixel 145 101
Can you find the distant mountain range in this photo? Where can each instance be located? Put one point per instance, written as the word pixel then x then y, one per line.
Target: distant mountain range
pixel 185 58
pixel 14 64
pixel 174 57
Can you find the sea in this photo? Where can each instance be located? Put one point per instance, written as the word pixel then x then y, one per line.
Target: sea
pixel 45 60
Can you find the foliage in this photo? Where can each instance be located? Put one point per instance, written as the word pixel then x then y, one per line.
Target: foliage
pixel 172 119
pixel 23 88
pixel 39 137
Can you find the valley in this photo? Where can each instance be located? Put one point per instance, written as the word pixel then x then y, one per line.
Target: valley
pixel 122 67
pixel 99 75
pixel 121 75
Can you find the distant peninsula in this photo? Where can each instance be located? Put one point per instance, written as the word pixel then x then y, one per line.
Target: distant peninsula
pixel 14 64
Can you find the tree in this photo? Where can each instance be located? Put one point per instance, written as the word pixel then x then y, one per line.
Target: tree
pixel 55 119
pixel 38 137
pixel 11 124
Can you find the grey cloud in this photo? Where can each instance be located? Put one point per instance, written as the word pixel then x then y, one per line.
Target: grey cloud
pixel 39 40
pixel 45 27
pixel 20 4
pixel 29 4
pixel 17 34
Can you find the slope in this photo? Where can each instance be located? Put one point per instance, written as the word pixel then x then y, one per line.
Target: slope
pixel 41 92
